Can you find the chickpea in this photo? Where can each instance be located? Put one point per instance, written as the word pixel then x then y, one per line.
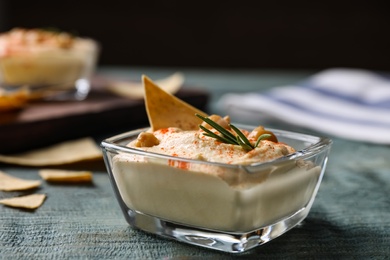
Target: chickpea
pixel 146 139
pixel 224 122
pixel 258 131
pixel 64 40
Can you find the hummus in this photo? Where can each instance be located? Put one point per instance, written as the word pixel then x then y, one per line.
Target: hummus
pixel 220 190
pixel 194 145
pixel 39 58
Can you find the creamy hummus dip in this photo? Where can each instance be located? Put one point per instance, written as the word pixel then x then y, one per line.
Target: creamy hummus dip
pixel 38 57
pixel 194 145
pixel 230 196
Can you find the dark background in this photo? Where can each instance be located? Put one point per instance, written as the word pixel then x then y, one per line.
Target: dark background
pixel 225 34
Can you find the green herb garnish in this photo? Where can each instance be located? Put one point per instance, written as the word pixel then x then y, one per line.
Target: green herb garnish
pixel 228 137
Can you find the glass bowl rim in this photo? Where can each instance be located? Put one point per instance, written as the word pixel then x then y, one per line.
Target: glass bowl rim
pixel 322 143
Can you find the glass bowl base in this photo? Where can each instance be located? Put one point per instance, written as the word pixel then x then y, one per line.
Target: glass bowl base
pixel 76 91
pixel 222 241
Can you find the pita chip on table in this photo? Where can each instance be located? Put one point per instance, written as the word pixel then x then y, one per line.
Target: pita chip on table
pixel 32 201
pixel 170 84
pixel 165 110
pixel 13 100
pixel 67 152
pixel 65 176
pixel 11 183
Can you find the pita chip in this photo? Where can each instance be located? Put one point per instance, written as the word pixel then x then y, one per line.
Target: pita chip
pixel 10 183
pixel 65 176
pixel 59 154
pixel 32 201
pixel 13 100
pixel 170 84
pixel 165 110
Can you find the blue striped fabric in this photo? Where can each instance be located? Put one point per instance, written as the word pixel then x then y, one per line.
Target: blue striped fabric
pixel 347 103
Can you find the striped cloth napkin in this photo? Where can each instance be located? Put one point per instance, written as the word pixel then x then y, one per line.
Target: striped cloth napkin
pixel 347 103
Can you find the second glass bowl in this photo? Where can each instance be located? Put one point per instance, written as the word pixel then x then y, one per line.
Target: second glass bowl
pixel 46 63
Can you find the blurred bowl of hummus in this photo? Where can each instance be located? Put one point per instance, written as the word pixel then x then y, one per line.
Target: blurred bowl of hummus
pixel 46 62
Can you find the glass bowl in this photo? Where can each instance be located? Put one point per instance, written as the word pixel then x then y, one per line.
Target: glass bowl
pixel 47 64
pixel 231 208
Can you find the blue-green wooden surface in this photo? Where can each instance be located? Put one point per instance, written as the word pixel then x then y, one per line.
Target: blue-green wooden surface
pixel 350 218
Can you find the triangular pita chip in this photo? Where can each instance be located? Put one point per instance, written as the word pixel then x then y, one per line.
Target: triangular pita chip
pixel 170 84
pixel 10 183
pixel 32 201
pixel 63 153
pixel 165 110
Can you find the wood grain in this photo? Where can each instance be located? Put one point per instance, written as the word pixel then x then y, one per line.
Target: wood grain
pixel 102 113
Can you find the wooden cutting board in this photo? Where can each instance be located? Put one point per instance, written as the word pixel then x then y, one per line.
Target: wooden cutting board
pixel 102 114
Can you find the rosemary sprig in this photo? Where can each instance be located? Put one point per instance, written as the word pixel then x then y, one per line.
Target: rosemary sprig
pixel 241 138
pixel 220 138
pixel 228 137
